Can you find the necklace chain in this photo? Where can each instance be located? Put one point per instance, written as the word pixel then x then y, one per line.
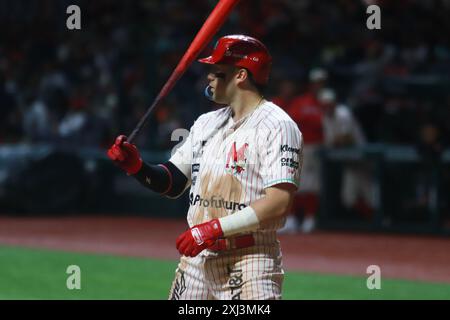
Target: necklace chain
pixel 259 103
pixel 251 113
pixel 256 107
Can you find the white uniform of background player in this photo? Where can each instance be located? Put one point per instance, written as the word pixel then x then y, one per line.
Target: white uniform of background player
pixel 342 130
pixel 268 147
pixel 306 112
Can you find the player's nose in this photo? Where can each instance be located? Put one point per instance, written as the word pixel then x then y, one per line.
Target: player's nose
pixel 210 77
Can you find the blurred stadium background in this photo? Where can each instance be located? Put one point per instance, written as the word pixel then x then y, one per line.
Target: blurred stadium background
pixel 380 195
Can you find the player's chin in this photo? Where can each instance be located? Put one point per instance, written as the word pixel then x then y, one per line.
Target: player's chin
pixel 219 99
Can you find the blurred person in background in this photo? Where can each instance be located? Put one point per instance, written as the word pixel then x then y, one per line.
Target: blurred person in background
pixel 80 125
pixel 430 148
pixel 83 124
pixel 430 141
pixel 342 130
pixel 37 121
pixel 11 129
pixel 71 127
pixel 287 90
pixel 305 110
pixel 340 127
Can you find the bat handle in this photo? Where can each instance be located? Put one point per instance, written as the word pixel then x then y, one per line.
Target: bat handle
pixel 142 122
pixel 176 74
pixel 133 134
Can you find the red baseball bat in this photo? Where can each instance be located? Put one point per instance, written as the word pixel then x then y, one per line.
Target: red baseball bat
pixel 203 37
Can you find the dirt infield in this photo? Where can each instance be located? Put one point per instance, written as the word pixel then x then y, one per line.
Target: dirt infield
pixel 404 257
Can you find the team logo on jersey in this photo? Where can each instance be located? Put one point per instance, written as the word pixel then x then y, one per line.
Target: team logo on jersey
pixel 236 159
pixel 287 148
pixel 289 162
pixel 215 202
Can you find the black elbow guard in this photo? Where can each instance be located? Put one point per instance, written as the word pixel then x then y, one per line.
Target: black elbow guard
pixel 165 178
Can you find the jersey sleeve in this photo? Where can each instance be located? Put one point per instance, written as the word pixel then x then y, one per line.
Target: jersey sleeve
pixel 282 155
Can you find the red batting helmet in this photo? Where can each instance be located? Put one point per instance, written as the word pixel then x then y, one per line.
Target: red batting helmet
pixel 242 51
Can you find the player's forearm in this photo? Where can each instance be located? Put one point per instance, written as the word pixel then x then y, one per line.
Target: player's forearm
pixel 274 205
pixel 165 179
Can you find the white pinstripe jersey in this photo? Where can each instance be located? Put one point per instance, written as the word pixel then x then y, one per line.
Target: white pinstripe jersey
pixel 230 164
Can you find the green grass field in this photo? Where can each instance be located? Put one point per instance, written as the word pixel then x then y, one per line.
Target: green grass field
pixel 41 274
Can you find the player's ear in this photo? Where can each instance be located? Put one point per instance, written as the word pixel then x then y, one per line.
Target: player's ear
pixel 241 75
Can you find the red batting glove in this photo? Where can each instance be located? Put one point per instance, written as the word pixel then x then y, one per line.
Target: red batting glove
pixel 199 237
pixel 125 155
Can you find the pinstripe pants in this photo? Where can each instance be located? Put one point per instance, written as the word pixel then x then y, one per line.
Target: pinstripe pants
pixel 253 273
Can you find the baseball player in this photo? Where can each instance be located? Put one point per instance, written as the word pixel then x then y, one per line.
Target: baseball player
pixel 242 164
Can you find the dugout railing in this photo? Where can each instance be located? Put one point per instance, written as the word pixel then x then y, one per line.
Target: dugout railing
pixel 384 188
